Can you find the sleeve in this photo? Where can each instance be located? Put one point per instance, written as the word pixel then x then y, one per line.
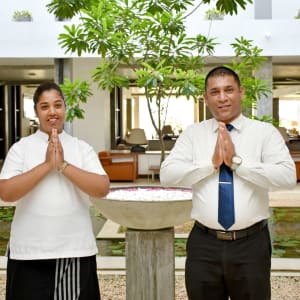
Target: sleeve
pixel 276 168
pixel 182 167
pixel 13 164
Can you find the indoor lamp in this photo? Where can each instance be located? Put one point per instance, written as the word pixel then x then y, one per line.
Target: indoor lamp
pixel 137 138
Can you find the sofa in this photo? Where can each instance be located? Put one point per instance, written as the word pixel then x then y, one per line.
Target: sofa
pixel 119 166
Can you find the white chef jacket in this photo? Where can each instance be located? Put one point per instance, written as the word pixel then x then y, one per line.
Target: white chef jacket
pixel 52 220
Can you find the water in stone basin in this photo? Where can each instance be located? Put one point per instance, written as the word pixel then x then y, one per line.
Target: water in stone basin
pixel 146 207
pixel 150 194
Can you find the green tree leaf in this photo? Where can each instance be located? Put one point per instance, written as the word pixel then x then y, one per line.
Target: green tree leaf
pixel 75 93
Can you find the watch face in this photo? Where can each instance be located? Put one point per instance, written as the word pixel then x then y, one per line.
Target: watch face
pixel 236 160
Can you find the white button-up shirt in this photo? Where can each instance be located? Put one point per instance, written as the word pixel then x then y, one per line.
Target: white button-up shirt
pixel 266 164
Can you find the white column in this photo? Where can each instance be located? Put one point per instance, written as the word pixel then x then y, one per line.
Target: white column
pixel 265 104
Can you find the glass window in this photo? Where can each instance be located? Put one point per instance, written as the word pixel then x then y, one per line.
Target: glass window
pixel 135 114
pixel 289 115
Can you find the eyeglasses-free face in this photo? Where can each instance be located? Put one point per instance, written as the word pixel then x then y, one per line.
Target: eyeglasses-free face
pixel 223 98
pixel 51 110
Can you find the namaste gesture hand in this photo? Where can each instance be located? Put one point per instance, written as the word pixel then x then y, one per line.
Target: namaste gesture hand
pixel 224 149
pixel 55 152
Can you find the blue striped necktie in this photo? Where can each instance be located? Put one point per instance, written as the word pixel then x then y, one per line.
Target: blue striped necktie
pixel 226 195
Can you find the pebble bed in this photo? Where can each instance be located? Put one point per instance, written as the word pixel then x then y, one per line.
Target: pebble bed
pixel 113 287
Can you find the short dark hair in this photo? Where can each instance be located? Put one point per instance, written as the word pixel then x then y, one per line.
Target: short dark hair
pixel 221 71
pixel 46 86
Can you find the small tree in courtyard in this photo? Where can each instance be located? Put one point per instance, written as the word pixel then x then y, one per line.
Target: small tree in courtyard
pixel 149 38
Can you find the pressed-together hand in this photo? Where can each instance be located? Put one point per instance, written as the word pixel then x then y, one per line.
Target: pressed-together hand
pixel 55 153
pixel 224 149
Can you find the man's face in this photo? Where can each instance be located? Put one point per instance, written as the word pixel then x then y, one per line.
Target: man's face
pixel 223 97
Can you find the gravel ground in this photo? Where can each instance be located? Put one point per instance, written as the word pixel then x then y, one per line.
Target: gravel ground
pixel 113 287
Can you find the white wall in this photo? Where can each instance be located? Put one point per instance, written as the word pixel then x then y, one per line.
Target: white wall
pixel 275 37
pixel 95 128
pixel 286 9
pixel 278 37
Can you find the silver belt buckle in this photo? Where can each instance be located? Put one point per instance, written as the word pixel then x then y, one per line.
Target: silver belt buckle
pixel 225 235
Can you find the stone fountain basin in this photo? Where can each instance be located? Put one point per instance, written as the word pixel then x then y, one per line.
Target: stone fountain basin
pixel 146 214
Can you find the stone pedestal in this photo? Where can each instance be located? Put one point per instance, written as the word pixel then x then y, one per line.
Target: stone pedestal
pixel 150 264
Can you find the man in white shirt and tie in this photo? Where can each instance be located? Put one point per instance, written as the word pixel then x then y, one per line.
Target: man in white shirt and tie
pixel 230 258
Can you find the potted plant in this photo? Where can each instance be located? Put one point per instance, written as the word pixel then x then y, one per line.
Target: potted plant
pixel 214 14
pixel 22 16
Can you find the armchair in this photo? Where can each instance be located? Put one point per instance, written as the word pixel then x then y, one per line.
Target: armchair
pixel 119 166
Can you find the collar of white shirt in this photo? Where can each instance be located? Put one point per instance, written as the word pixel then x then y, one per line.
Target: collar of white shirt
pixel 45 137
pixel 236 123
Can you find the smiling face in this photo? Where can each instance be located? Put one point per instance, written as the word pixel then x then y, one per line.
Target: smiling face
pixel 50 109
pixel 223 97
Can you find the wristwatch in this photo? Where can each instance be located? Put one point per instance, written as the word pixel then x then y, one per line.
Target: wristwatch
pixel 236 162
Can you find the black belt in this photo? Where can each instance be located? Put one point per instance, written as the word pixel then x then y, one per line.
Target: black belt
pixel 233 235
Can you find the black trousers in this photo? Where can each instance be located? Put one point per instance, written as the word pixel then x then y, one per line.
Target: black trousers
pixel 53 279
pixel 218 269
